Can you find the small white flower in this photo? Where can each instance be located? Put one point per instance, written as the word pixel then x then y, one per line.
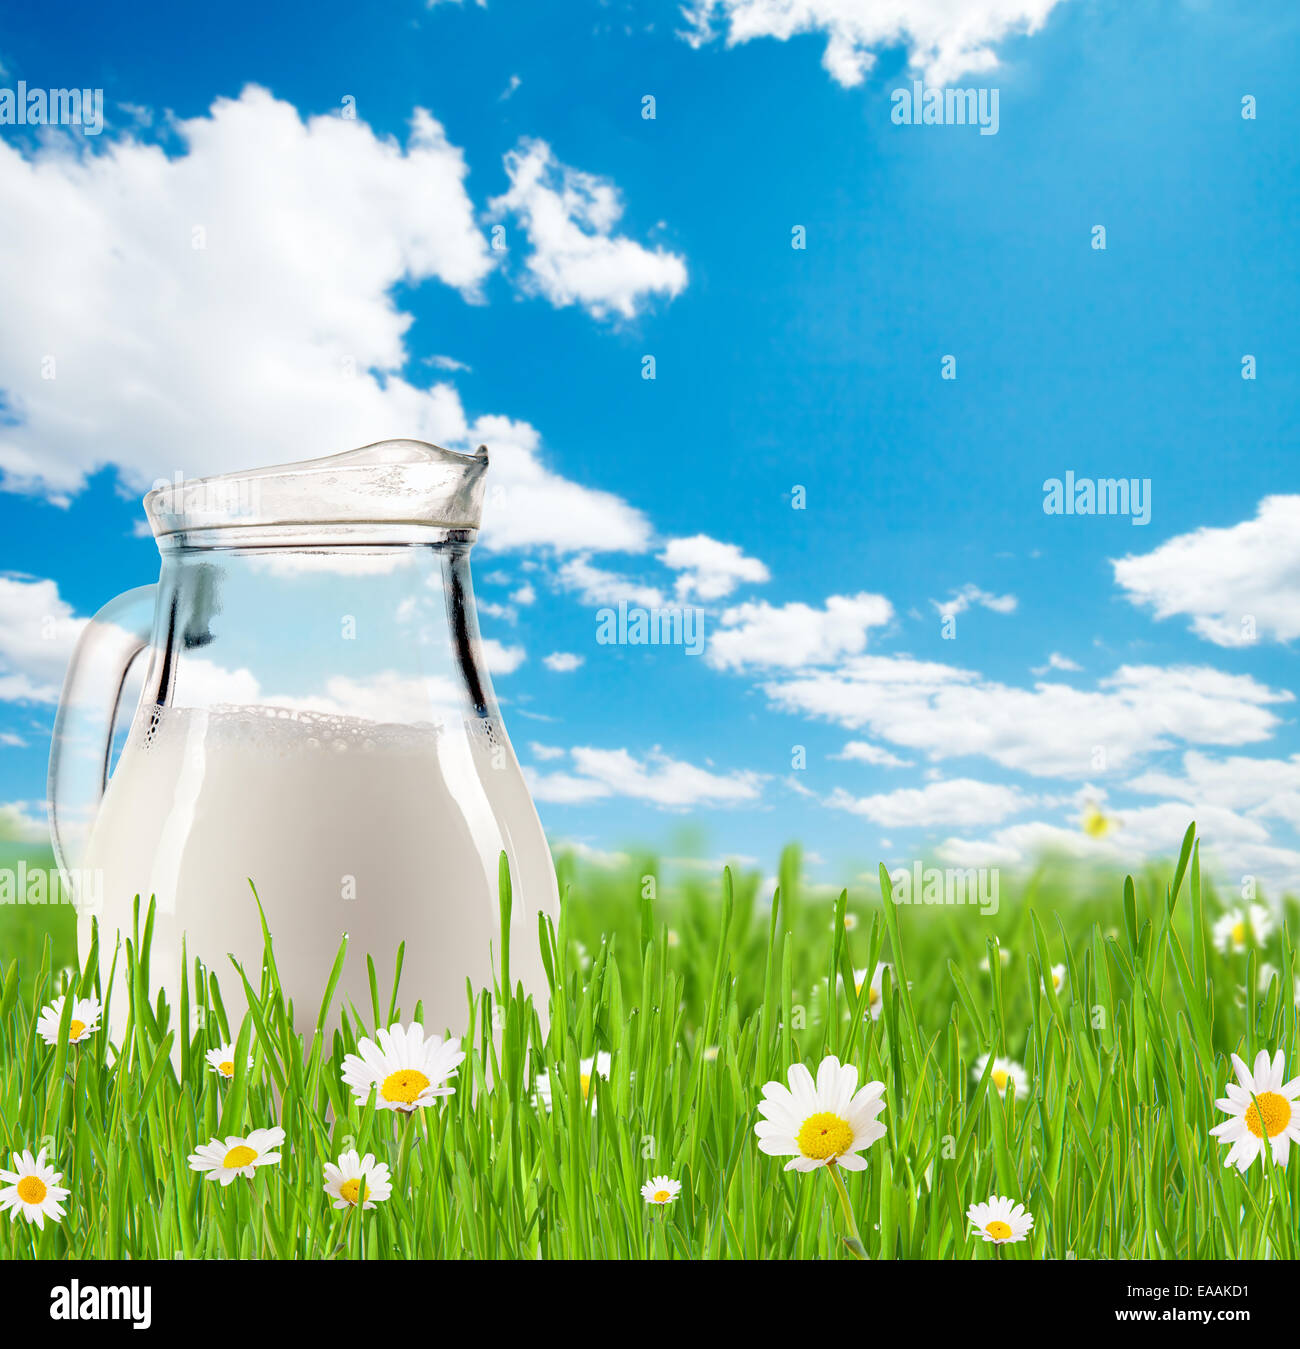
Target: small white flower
pixel 1004 959
pixel 1059 978
pixel 999 1221
pixel 823 1123
pixel 32 1189
pixel 661 1190
pixel 222 1060
pixel 1238 928
pixel 874 1004
pixel 711 1051
pixel 237 1156
pixel 1276 1119
pixel 1006 1073
pixel 408 1069
pixel 587 1070
pixel 85 1020
pixel 357 1180
pixel 850 921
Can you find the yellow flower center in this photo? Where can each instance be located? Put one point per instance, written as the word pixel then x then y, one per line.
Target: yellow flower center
pixel 226 1068
pixel 1239 934
pixel 998 1230
pixel 584 1081
pixel 31 1189
pixel 1275 1111
pixel 1056 982
pixel 353 1191
pixel 404 1085
pixel 824 1135
pixel 662 1196
pixel 242 1155
pixel 999 1076
pixel 75 1028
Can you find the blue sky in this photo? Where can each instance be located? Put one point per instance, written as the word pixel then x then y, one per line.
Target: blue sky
pixel 330 239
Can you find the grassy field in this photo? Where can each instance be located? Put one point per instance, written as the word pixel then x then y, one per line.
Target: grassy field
pixel 699 996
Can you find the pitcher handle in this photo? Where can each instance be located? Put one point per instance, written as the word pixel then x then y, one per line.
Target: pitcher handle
pixel 82 746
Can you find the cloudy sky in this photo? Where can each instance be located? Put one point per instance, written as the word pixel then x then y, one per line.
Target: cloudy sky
pixel 872 344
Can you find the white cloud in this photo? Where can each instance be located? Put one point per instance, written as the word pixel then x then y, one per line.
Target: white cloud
pixel 19 825
pixel 1221 578
pixel 1232 845
pixel 961 600
pixel 944 38
pixel 568 217
pixel 662 781
pixel 546 752
pixel 562 662
pixel 710 569
pixel 796 635
pixel 595 585
pixel 1056 661
pixel 502 660
pixel 862 752
pixel 525 594
pixel 1049 730
pixel 174 357
pixel 529 506
pixel 38 630
pixel 1260 787
pixel 596 857
pixel 956 802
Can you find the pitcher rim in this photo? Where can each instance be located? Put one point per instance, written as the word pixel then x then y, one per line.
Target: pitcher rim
pixel 401 480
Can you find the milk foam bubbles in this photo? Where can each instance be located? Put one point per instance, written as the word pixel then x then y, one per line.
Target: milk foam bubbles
pixel 389 833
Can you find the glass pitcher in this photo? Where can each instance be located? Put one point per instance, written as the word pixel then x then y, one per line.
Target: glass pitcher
pixel 316 717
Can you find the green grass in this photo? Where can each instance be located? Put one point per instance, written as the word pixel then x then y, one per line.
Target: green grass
pixel 1110 1151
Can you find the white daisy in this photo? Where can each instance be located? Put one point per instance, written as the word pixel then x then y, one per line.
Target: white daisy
pixel 1004 959
pixel 1059 978
pixel 408 1069
pixel 1238 928
pixel 1006 1073
pixel 661 1190
pixel 357 1180
pixel 222 1060
pixel 850 921
pixel 237 1156
pixel 587 1070
pixel 1276 1117
pixel 32 1189
pixel 999 1221
pixel 874 1004
pixel 85 1020
pixel 822 1123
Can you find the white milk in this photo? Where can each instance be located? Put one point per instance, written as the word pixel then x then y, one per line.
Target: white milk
pixel 343 825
